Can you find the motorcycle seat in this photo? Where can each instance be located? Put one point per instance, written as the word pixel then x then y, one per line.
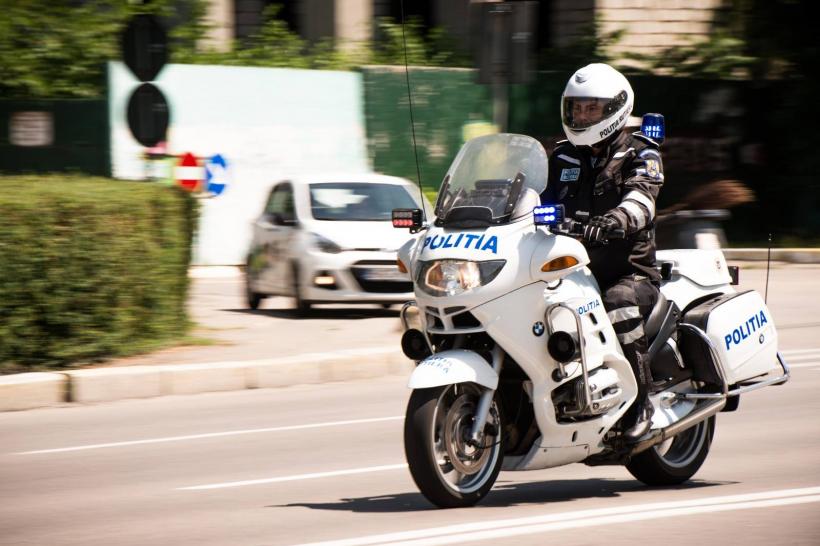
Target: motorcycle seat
pixel 655 319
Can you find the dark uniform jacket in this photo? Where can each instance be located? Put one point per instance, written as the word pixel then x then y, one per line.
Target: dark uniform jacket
pixel 623 182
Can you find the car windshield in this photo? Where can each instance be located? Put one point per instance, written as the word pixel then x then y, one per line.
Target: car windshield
pixel 494 179
pixel 358 201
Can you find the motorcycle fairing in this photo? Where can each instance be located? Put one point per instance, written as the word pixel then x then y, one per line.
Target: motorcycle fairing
pixel 453 367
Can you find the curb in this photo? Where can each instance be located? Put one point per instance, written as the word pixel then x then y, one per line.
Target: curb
pixel 791 255
pixel 32 390
pixel 35 390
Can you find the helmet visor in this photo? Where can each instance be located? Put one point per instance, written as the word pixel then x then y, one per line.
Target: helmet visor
pixel 584 112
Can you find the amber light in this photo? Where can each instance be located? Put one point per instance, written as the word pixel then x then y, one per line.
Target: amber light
pixel 559 263
pixel 402 267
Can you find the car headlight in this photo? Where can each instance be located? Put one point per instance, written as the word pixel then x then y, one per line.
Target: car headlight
pixel 325 245
pixel 453 277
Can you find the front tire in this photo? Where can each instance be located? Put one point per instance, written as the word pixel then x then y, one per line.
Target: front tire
pixel 675 460
pixel 449 472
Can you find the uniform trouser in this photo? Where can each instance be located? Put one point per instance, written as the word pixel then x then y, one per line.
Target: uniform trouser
pixel 628 302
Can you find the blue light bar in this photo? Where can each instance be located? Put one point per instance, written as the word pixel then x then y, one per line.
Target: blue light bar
pixel 654 126
pixel 548 215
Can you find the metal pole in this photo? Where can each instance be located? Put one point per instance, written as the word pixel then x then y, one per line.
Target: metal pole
pixel 500 105
pixel 501 23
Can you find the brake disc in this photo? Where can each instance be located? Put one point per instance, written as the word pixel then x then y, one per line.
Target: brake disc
pixel 465 458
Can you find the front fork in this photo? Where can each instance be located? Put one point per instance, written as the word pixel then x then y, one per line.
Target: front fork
pixel 485 401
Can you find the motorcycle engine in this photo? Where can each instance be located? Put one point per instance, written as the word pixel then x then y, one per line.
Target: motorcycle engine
pixel 605 392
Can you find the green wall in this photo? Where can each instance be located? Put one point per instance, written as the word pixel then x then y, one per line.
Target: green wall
pixel 445 104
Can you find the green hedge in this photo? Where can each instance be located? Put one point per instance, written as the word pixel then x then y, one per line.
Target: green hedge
pixel 90 268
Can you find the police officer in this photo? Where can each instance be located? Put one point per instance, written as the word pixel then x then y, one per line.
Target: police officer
pixel 611 177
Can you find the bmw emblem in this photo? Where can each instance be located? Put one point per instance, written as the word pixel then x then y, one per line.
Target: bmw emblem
pixel 538 328
pixel 761 338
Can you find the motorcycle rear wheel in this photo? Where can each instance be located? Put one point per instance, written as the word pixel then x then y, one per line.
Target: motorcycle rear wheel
pixel 447 470
pixel 675 460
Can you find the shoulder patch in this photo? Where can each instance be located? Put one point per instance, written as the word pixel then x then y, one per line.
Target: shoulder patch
pixel 653 169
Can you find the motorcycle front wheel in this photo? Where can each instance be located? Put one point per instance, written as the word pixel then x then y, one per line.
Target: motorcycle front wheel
pixel 449 471
pixel 677 459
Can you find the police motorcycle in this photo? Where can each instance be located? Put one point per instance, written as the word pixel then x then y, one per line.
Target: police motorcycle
pixel 518 366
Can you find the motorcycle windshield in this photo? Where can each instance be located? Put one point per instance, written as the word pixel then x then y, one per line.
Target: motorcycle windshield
pixel 494 179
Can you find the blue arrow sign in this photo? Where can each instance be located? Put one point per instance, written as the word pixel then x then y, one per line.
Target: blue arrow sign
pixel 216 174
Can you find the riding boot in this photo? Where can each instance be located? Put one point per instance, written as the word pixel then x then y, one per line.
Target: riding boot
pixel 643 408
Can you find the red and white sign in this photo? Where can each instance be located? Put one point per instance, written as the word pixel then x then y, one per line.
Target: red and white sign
pixel 188 173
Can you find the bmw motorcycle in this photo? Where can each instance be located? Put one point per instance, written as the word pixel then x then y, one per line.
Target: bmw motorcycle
pixel 518 366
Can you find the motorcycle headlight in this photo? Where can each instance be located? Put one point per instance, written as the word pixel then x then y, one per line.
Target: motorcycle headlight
pixel 453 277
pixel 325 245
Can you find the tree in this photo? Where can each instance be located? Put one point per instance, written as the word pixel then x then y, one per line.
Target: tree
pixel 50 48
pixel 58 48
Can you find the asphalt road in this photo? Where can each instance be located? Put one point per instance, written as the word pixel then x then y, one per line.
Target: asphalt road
pixel 325 463
pixel 272 467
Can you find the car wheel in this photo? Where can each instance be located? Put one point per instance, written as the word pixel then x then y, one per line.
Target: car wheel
pixel 252 298
pixel 302 307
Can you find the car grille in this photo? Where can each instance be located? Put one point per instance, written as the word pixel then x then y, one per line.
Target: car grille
pixel 360 270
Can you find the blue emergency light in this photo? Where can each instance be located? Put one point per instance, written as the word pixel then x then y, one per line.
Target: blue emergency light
pixel 653 126
pixel 548 215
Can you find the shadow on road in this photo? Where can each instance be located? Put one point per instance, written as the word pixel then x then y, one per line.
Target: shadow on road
pixel 505 494
pixel 339 313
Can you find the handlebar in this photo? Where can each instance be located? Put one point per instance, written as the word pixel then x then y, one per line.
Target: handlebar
pixel 575 229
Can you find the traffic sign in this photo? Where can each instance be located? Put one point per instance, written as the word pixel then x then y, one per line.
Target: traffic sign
pixel 148 115
pixel 145 46
pixel 216 174
pixel 188 173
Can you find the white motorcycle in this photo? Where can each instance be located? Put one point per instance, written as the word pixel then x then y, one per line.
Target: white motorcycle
pixel 518 365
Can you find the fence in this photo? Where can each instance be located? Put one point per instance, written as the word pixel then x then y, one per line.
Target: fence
pixel 39 136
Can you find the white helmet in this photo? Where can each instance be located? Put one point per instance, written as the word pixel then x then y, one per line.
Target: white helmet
pixel 596 104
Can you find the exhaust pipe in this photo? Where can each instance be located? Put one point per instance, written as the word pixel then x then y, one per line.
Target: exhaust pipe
pixel 708 410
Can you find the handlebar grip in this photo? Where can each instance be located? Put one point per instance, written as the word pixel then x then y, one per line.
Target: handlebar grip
pixel 616 234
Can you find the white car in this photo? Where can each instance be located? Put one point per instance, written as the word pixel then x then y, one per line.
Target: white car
pixel 330 239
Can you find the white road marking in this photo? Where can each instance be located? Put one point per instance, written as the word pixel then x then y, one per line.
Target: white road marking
pixel 805 365
pixel 213 435
pixel 804 358
pixel 295 477
pixel 800 351
pixel 485 530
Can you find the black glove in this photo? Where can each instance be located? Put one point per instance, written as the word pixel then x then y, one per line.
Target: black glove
pixel 599 227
